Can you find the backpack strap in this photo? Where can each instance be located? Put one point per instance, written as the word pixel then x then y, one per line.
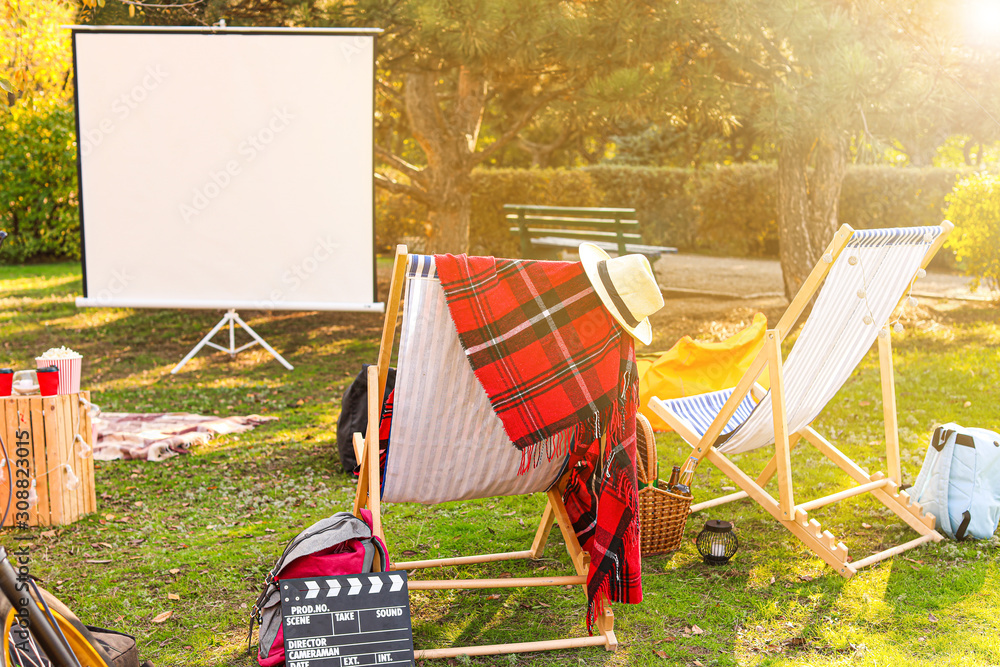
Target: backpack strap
pixel 257 609
pixel 942 492
pixel 941 435
pixel 250 635
pixel 962 527
pixel 965 440
pixel 383 553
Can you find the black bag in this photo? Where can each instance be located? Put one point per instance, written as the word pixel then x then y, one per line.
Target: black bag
pixel 116 649
pixel 354 414
pixel 118 646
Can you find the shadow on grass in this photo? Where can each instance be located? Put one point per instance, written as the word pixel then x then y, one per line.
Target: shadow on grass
pixel 206 527
pixel 152 342
pixel 906 588
pixel 58 286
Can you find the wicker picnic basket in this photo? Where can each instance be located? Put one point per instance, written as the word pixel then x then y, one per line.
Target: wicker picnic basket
pixel 662 515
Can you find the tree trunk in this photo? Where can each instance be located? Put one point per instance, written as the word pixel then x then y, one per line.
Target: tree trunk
pixel 445 112
pixel 450 217
pixel 448 139
pixel 810 174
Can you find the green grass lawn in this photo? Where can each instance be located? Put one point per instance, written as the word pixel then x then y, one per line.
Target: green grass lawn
pixel 205 528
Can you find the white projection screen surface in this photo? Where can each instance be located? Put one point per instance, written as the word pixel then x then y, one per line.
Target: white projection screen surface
pixel 227 168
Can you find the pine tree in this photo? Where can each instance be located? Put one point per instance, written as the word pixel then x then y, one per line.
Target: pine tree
pixel 465 78
pixel 821 73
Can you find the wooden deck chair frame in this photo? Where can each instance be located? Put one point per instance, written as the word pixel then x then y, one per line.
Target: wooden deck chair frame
pixel 795 517
pixel 368 496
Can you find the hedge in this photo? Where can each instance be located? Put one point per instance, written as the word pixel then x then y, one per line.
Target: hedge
pixel 974 207
pixel 729 211
pixel 895 196
pixel 661 197
pixel 737 210
pixel 38 202
pixel 488 229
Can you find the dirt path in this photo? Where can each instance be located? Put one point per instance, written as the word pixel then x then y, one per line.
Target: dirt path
pixel 710 298
pixel 684 275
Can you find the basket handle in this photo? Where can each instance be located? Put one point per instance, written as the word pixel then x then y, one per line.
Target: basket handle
pixel 646 446
pixel 640 464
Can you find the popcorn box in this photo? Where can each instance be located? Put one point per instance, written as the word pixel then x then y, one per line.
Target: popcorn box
pixel 69 372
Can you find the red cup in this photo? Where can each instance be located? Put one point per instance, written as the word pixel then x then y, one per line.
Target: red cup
pixel 48 380
pixel 6 381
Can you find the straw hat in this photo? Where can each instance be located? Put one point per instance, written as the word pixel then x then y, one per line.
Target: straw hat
pixel 627 287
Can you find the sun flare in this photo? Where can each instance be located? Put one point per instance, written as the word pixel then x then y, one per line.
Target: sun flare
pixel 982 22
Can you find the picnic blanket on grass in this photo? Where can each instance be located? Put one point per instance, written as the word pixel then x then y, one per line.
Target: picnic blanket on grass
pixel 550 356
pixel 157 436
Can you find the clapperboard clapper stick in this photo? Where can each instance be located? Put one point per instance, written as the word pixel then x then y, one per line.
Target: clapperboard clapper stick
pixel 353 619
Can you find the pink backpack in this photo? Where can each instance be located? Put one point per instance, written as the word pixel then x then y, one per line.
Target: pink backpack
pixel 340 544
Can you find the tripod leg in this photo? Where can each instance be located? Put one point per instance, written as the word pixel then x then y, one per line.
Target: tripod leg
pixel 263 343
pixel 203 343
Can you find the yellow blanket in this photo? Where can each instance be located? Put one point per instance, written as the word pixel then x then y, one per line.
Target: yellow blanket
pixel 691 367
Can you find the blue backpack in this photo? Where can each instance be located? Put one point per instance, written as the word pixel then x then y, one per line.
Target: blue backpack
pixel 960 481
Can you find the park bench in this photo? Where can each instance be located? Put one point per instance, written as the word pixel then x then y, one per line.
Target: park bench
pixel 545 231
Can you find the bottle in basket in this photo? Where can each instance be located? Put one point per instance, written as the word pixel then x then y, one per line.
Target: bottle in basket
pixel 681 490
pixel 683 485
pixel 687 472
pixel 675 477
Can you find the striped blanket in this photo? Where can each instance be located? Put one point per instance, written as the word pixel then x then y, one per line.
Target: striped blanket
pixel 550 356
pixel 159 435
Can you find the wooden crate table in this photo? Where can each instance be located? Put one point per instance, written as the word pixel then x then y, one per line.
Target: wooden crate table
pixel 39 433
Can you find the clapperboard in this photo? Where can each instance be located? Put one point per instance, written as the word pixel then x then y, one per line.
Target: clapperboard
pixel 353 619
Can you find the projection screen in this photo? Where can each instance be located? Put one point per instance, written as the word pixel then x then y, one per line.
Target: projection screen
pixel 226 168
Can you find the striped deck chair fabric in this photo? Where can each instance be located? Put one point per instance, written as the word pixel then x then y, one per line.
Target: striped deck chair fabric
pixel 856 285
pixel 701 409
pixel 446 443
pixel 858 296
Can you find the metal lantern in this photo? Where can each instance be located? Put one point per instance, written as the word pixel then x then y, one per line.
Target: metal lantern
pixel 717 542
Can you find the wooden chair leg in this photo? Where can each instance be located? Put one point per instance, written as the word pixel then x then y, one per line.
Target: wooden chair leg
pixel 762 480
pixel 544 528
pixel 606 626
pixel 368 494
pixel 809 532
pixel 555 511
pixel 372 452
pixel 561 516
pixel 782 447
pixel 898 502
pixel 359 447
pixel 889 406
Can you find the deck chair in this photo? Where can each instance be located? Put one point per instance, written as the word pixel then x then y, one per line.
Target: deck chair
pixel 864 275
pixel 447 444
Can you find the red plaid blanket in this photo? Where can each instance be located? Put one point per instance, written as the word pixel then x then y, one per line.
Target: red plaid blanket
pixel 550 357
